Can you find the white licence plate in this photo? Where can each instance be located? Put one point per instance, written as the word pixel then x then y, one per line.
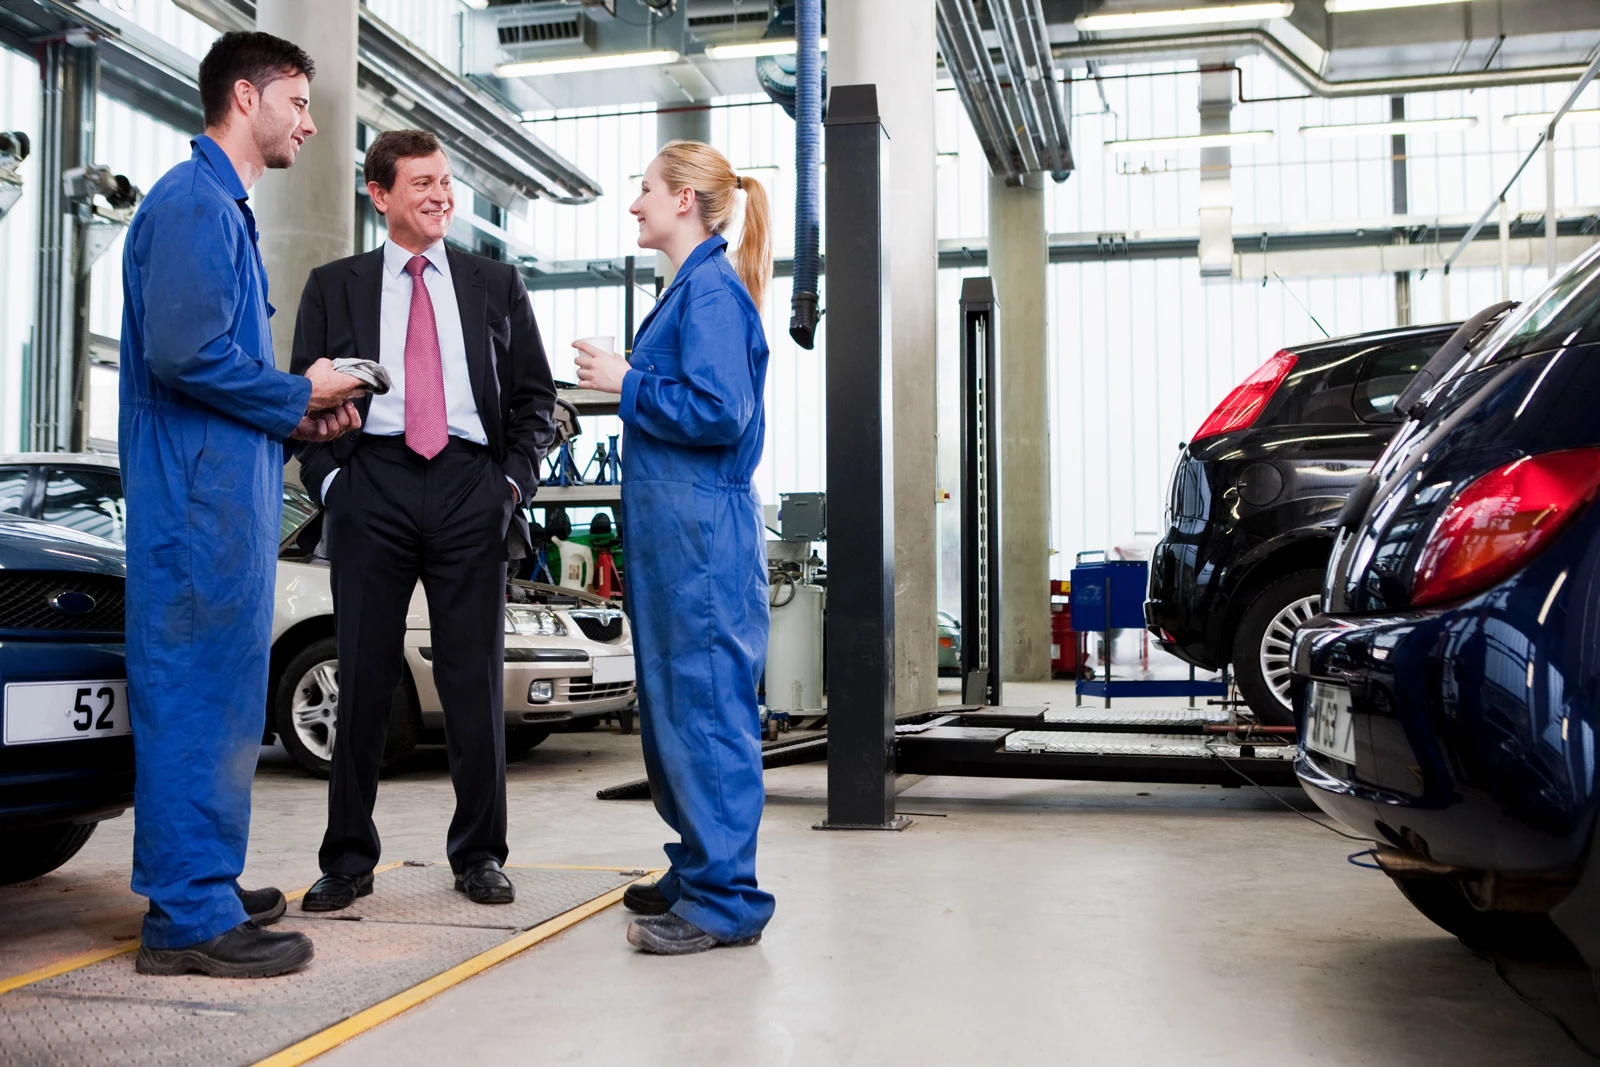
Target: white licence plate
pixel 608 669
pixel 38 712
pixel 1330 728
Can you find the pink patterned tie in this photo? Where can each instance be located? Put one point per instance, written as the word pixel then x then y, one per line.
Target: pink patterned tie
pixel 427 428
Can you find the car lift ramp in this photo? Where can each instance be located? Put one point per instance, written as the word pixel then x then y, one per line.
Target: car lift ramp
pixel 413 937
pixel 1184 746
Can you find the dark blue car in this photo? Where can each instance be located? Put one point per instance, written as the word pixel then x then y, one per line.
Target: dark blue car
pixel 66 754
pixel 1449 694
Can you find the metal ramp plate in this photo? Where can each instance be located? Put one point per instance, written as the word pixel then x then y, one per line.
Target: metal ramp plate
pixel 1125 744
pixel 413 927
pixel 1155 718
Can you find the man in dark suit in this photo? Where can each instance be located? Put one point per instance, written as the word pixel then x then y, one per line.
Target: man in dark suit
pixel 429 489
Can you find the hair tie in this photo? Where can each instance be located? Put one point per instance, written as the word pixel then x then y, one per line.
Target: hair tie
pixel 738 181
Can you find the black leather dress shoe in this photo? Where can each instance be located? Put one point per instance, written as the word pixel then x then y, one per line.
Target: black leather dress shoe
pixel 645 899
pixel 485 883
pixel 673 935
pixel 246 951
pixel 335 891
pixel 264 906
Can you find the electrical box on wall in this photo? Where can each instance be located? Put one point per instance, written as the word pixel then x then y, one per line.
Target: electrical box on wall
pixel 803 516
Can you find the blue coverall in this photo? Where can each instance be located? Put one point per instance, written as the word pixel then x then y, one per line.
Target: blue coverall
pixel 204 412
pixel 697 582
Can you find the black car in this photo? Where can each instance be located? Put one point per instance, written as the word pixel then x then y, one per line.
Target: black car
pixel 66 750
pixel 1250 519
pixel 1449 693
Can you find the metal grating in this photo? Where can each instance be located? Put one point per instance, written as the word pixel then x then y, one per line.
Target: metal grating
pixel 414 927
pixel 540 32
pixel 579 690
pixel 603 626
pixel 1156 717
pixel 1126 744
pixel 25 598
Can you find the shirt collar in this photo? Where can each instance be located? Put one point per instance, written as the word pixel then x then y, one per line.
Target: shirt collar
pixel 207 149
pixel 702 252
pixel 395 258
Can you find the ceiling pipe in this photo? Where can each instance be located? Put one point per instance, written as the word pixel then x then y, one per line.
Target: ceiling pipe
pixel 1258 40
pixel 1026 45
pixel 967 59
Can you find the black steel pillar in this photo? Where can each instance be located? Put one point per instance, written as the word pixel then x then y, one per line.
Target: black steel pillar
pixel 69 72
pixel 629 280
pixel 980 495
pixel 860 622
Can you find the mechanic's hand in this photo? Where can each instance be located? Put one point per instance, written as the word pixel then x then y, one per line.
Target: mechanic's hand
pixel 330 388
pixel 329 425
pixel 599 369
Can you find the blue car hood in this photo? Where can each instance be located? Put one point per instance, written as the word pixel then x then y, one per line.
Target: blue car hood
pixel 30 545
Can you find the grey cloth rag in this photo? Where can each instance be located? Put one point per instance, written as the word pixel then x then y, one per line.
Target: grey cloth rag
pixel 366 370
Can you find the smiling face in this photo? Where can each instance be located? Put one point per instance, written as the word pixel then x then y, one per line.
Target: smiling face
pixel 281 120
pixel 661 212
pixel 419 206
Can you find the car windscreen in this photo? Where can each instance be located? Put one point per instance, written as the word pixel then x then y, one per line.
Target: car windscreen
pixel 297 508
pixel 1566 313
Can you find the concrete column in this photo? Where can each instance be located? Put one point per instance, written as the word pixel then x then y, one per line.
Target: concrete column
pixel 684 125
pixel 1019 261
pixel 307 214
pixel 890 43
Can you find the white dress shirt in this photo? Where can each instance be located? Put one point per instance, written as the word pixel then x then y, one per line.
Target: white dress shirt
pixel 386 416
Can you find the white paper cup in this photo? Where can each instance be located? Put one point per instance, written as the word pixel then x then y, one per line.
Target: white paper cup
pixel 606 342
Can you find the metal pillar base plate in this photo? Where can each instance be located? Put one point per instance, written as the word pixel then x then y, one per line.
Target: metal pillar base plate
pixel 899 822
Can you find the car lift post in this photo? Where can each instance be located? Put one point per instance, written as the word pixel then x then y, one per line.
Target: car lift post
pixel 980 496
pixel 859 631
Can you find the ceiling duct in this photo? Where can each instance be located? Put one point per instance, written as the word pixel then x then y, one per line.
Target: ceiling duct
pixel 1025 43
pixel 529 31
pixel 966 56
pixel 728 21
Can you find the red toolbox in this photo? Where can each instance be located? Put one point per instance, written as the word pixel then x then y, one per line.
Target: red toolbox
pixel 1063 639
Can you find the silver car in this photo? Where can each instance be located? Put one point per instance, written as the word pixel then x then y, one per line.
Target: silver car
pixel 569 653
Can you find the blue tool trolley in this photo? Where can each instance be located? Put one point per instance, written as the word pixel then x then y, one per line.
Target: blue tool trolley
pixel 1107 595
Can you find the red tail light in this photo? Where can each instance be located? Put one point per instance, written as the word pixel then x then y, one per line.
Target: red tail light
pixel 1241 407
pixel 1502 520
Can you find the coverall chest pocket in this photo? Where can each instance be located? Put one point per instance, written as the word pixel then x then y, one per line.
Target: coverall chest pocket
pixel 656 359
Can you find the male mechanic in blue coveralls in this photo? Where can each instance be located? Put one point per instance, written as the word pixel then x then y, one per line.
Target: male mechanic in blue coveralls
pixel 204 413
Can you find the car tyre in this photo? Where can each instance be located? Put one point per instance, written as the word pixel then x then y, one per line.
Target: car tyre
pixel 1527 935
pixel 1261 644
pixel 308 698
pixel 521 740
pixel 28 854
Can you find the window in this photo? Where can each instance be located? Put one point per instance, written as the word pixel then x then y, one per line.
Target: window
pixel 14 490
pixel 297 508
pixel 87 499
pixel 1385 376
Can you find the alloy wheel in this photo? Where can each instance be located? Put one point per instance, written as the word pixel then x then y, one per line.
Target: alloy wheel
pixel 1279 639
pixel 315 708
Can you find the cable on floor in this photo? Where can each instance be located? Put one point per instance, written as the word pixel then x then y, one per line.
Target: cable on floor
pixel 1314 822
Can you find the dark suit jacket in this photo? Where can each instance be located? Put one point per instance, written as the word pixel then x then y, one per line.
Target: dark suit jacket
pixel 339 318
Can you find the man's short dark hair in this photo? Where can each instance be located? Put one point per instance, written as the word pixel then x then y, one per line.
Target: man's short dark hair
pixel 388 149
pixel 258 58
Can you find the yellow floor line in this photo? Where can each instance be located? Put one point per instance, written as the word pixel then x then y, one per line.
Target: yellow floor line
pixel 96 955
pixel 315 1045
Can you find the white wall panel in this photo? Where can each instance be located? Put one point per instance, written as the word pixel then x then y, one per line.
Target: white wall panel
pixel 19 243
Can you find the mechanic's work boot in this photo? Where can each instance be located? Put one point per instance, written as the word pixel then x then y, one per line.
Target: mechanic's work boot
pixel 644 899
pixel 334 892
pixel 246 951
pixel 485 883
pixel 264 906
pixel 673 935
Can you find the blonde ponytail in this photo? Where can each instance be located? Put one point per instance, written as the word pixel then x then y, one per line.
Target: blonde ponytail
pixel 714 181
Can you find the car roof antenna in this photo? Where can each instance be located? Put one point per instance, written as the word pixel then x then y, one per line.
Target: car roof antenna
pixel 1307 310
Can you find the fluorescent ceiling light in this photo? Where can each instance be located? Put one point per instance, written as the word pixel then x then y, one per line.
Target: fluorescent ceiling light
pixel 786 46
pixel 1589 115
pixel 580 64
pixel 1343 7
pixel 1204 140
pixel 1185 16
pixel 1360 129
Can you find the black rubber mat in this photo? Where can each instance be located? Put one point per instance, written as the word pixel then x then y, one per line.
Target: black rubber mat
pixel 414 926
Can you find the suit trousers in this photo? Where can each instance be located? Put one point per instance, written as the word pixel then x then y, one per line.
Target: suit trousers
pixel 396 518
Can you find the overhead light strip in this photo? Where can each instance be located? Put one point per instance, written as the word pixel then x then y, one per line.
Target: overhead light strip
pixel 1363 129
pixel 1203 140
pixel 1215 15
pixel 1345 7
pixel 755 49
pixel 582 64
pixel 1543 119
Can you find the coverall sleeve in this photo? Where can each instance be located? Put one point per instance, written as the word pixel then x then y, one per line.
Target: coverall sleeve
pixel 192 292
pixel 310 345
pixel 713 399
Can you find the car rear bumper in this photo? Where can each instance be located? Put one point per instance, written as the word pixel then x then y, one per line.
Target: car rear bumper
pixel 1177 610
pixel 1449 762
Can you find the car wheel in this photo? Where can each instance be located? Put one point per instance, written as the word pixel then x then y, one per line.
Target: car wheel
pixel 27 854
pixel 521 740
pixel 1528 935
pixel 308 704
pixel 1262 644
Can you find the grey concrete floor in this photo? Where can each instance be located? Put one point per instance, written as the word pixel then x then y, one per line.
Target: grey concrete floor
pixel 1013 923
